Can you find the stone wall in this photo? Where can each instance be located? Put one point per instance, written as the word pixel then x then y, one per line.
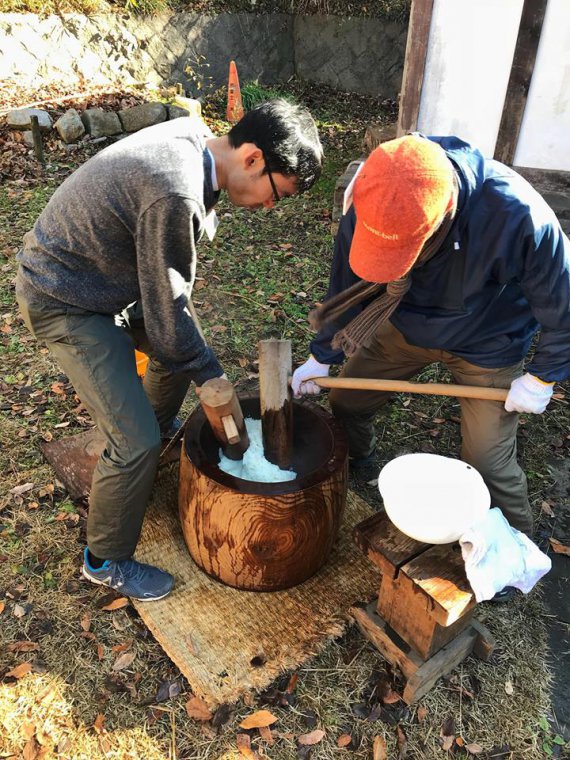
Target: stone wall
pixel 364 55
pixel 359 55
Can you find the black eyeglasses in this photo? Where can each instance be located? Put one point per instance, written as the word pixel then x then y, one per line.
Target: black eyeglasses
pixel 276 196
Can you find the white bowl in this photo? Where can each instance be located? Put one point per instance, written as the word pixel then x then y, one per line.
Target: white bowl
pixel 433 498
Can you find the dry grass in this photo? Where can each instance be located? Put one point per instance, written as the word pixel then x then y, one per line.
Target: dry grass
pixel 54 709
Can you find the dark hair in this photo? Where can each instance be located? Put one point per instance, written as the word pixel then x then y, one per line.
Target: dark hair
pixel 288 137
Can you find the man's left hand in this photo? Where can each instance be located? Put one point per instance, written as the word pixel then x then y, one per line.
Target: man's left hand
pixel 528 394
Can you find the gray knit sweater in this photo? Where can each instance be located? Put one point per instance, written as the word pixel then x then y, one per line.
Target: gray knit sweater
pixel 122 228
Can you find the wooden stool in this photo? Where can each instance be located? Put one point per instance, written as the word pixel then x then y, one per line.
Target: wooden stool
pixel 423 618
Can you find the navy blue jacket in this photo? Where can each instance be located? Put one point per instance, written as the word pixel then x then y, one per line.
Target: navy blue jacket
pixel 502 273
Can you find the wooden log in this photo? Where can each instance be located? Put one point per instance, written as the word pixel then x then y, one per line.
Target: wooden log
pixel 275 366
pixel 222 408
pixel 37 138
pixel 403 386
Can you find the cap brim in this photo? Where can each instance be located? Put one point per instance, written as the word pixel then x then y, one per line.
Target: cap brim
pixel 375 260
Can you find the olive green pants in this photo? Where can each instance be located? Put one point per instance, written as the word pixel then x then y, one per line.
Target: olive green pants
pixel 96 352
pixel 488 431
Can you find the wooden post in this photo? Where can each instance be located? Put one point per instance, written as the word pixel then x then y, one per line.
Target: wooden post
pixel 414 65
pixel 522 69
pixel 275 365
pixel 222 408
pixel 37 138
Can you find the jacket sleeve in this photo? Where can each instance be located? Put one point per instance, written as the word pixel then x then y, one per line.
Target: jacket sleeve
pixel 546 285
pixel 166 258
pixel 341 278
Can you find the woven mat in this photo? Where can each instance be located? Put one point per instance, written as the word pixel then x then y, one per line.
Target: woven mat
pixel 228 642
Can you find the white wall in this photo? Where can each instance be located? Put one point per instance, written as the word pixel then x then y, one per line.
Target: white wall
pixel 468 64
pixel 544 139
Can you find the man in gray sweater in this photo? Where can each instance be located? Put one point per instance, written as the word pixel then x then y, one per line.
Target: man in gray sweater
pixel 110 265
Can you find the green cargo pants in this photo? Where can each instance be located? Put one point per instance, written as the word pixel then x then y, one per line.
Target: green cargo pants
pixel 488 431
pixel 97 355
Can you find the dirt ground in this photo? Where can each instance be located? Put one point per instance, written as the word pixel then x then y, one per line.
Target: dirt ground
pixel 61 692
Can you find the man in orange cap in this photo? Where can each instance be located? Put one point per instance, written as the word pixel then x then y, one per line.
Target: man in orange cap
pixel 448 257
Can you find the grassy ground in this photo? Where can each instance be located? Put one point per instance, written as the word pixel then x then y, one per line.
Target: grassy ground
pixel 61 694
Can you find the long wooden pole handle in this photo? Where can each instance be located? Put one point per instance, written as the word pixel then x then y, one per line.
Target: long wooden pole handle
pixel 403 386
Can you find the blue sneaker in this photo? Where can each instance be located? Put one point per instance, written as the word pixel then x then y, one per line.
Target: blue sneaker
pixel 131 578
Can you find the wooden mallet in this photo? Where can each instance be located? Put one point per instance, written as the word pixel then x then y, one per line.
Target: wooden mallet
pixel 222 408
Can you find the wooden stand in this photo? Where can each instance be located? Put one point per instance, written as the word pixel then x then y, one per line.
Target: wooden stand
pixel 222 408
pixel 423 618
pixel 275 366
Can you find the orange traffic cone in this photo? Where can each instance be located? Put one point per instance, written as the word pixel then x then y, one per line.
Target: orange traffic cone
pixel 234 111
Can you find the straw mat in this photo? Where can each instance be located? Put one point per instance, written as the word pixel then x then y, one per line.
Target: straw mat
pixel 228 642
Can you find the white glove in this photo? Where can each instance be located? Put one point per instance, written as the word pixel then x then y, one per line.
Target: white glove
pixel 528 394
pixel 311 368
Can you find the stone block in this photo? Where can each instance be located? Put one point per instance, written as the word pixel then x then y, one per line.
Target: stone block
pixel 21 119
pixel 69 126
pixel 175 112
pixel 101 123
pixel 144 115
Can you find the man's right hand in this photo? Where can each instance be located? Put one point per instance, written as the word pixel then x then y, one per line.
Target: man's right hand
pixel 300 384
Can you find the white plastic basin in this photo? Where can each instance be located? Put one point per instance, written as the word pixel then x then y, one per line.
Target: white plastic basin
pixel 433 498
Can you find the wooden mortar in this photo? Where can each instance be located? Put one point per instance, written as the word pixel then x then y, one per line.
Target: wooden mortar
pixel 264 536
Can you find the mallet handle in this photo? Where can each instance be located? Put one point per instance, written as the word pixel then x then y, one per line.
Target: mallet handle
pixel 403 386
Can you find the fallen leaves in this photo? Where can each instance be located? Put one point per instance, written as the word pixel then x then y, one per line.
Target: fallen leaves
pixel 23 646
pixel 243 743
pixel 116 604
pixel 20 671
pixel 559 548
pixel 422 712
pixel 447 734
pixel 258 719
pixel 314 737
pixel 19 490
pixel 124 661
pixel 379 749
pixel 198 709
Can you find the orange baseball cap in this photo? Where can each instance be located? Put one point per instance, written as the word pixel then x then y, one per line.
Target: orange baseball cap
pixel 401 195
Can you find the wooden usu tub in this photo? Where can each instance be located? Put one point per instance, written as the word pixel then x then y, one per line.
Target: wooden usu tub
pixel 264 536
